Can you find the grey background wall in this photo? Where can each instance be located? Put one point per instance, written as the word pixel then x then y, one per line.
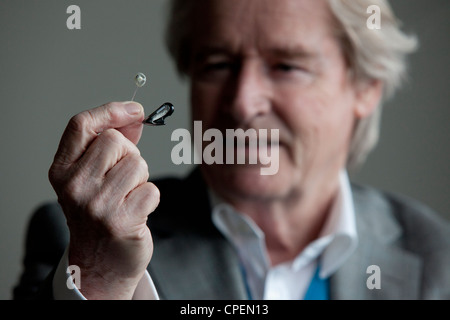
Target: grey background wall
pixel 49 73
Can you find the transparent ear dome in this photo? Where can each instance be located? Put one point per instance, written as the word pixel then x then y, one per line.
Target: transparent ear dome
pixel 140 80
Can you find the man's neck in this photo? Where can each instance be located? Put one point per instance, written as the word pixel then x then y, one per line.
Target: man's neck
pixel 290 224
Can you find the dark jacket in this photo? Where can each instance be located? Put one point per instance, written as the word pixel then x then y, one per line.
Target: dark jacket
pixel 192 260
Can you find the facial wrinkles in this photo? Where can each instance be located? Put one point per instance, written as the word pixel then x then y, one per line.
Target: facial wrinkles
pixel 243 25
pixel 246 29
pixel 233 20
pixel 251 45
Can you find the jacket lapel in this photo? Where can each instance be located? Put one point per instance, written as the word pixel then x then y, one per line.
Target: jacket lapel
pixel 210 269
pixel 185 238
pixel 379 234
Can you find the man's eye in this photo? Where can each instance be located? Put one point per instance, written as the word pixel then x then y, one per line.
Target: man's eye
pixel 284 67
pixel 218 66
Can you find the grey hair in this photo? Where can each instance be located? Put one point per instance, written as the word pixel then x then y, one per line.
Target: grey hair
pixel 378 54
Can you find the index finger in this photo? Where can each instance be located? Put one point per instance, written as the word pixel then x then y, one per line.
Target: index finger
pixel 87 125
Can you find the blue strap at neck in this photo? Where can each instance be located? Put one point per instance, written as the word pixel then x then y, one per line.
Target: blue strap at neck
pixel 247 287
pixel 318 288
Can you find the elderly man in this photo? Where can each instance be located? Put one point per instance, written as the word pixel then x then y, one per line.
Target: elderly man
pixel 314 72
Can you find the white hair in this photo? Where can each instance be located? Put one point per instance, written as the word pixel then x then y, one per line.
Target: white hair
pixel 378 54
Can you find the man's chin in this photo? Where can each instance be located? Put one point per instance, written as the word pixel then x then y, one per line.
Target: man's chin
pixel 243 182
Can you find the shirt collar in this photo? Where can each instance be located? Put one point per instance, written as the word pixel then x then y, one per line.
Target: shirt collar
pixel 341 228
pixel 336 242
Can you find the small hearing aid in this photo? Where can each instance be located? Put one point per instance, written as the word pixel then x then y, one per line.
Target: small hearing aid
pixel 158 117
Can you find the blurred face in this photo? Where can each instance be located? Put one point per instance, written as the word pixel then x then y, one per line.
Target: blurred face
pixel 265 64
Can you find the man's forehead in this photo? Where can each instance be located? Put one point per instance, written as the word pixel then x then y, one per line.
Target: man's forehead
pixel 246 12
pixel 280 24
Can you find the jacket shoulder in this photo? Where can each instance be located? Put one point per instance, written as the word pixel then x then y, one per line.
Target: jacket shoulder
pixel 422 229
pixel 46 239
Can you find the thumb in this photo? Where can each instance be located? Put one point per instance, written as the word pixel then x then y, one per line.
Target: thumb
pixel 133 131
pixel 83 128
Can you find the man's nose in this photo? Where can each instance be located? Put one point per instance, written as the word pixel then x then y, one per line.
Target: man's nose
pixel 250 94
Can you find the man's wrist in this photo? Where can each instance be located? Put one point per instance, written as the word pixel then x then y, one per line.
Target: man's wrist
pixel 67 285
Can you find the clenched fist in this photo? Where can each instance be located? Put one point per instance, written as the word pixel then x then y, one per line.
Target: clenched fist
pixel 101 182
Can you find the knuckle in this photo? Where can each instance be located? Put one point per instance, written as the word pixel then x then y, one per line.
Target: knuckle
pixel 112 136
pixel 139 165
pixel 133 149
pixel 152 195
pixel 155 192
pixel 79 122
pixel 71 190
pixel 108 106
pixel 53 175
pixel 76 189
pixel 110 111
pixel 86 119
pixel 140 162
pixel 137 160
pixel 144 169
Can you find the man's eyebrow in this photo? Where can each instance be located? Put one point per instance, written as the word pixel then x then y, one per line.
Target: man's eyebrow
pixel 205 51
pixel 292 52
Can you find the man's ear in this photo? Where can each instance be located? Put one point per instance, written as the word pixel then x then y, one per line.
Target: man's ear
pixel 368 98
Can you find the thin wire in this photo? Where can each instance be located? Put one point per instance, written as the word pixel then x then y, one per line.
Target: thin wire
pixel 134 95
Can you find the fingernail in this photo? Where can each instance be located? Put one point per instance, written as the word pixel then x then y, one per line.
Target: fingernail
pixel 133 108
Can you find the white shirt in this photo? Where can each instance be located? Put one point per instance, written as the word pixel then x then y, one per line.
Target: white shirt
pixel 288 281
